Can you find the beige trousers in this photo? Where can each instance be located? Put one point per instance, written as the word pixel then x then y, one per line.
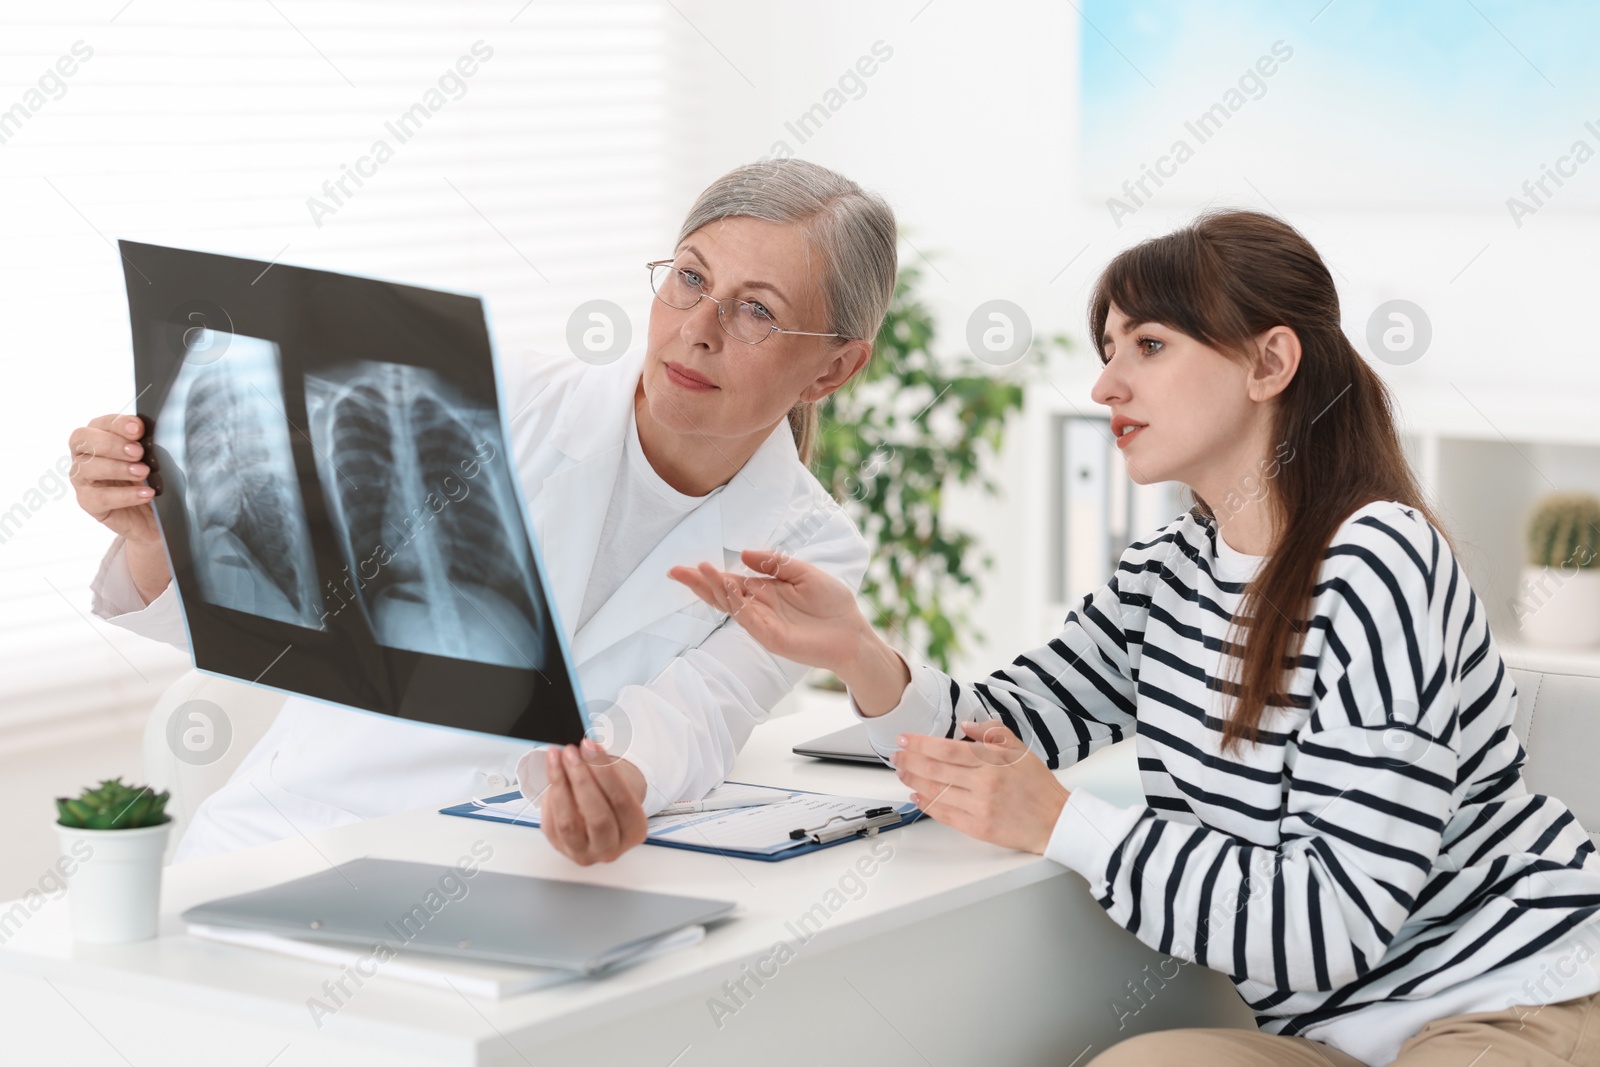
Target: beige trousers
pixel 1556 1035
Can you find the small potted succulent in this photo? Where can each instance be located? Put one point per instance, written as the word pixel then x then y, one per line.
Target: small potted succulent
pixel 1558 603
pixel 120 834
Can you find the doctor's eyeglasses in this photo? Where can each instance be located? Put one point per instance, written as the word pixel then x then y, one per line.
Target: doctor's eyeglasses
pixel 684 287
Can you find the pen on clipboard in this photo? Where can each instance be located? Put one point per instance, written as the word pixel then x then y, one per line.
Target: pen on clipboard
pixel 721 804
pixel 866 824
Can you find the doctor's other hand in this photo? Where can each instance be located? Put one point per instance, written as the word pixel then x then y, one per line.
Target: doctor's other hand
pixel 593 809
pixel 108 477
pixel 803 614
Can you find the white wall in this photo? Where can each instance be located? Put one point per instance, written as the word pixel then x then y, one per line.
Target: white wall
pixel 971 129
pixel 968 124
pixel 966 128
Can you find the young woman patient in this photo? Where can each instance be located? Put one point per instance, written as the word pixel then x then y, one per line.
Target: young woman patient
pixel 769 301
pixel 1334 810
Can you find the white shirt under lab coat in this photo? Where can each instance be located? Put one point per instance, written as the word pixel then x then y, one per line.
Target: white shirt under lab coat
pixel 688 688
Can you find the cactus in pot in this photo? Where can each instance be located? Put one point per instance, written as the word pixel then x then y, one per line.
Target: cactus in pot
pixel 115 835
pixel 1564 531
pixel 1558 602
pixel 113 806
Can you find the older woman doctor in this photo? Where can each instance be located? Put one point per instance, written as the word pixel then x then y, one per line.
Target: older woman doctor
pixel 782 274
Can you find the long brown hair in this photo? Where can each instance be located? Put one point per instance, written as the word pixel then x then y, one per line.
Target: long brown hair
pixel 1224 281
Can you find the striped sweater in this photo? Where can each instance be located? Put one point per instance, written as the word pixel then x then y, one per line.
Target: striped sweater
pixel 1377 844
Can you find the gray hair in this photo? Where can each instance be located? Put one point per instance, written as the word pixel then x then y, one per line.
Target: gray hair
pixel 852 230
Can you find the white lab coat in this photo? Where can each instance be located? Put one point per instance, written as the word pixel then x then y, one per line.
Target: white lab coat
pixel 690 688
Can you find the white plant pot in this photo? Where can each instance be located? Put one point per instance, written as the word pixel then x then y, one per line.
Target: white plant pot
pixel 115 892
pixel 1560 609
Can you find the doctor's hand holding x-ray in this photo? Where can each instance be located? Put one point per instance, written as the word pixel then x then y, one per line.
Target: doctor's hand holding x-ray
pixel 108 478
pixel 780 278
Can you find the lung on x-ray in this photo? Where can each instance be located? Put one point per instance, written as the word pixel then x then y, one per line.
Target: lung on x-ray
pixel 223 428
pixel 337 496
pixel 397 450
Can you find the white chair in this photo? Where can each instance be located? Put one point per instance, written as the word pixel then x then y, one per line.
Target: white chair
pixel 182 757
pixel 1558 721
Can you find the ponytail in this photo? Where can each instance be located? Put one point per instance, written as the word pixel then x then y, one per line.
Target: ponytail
pixel 803 423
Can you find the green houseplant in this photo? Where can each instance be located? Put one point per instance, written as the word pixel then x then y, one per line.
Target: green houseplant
pixel 891 442
pixel 113 806
pixel 1558 603
pixel 1564 531
pixel 117 834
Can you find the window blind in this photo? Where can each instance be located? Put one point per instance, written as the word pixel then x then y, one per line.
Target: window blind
pixel 521 158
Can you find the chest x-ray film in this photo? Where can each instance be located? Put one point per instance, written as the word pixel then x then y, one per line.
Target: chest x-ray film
pixel 336 493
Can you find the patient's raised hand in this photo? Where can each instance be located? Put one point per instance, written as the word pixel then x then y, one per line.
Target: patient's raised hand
pixel 794 609
pixel 801 613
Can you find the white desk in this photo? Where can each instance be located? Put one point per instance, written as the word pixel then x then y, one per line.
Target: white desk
pixel 957 952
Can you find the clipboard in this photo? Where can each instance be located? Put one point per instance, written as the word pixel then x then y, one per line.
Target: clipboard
pixel 809 834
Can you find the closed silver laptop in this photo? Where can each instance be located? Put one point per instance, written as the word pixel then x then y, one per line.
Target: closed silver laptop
pixel 848 744
pixel 487 915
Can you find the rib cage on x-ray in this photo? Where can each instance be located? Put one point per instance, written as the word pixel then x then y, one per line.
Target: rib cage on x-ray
pixel 222 429
pixel 439 560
